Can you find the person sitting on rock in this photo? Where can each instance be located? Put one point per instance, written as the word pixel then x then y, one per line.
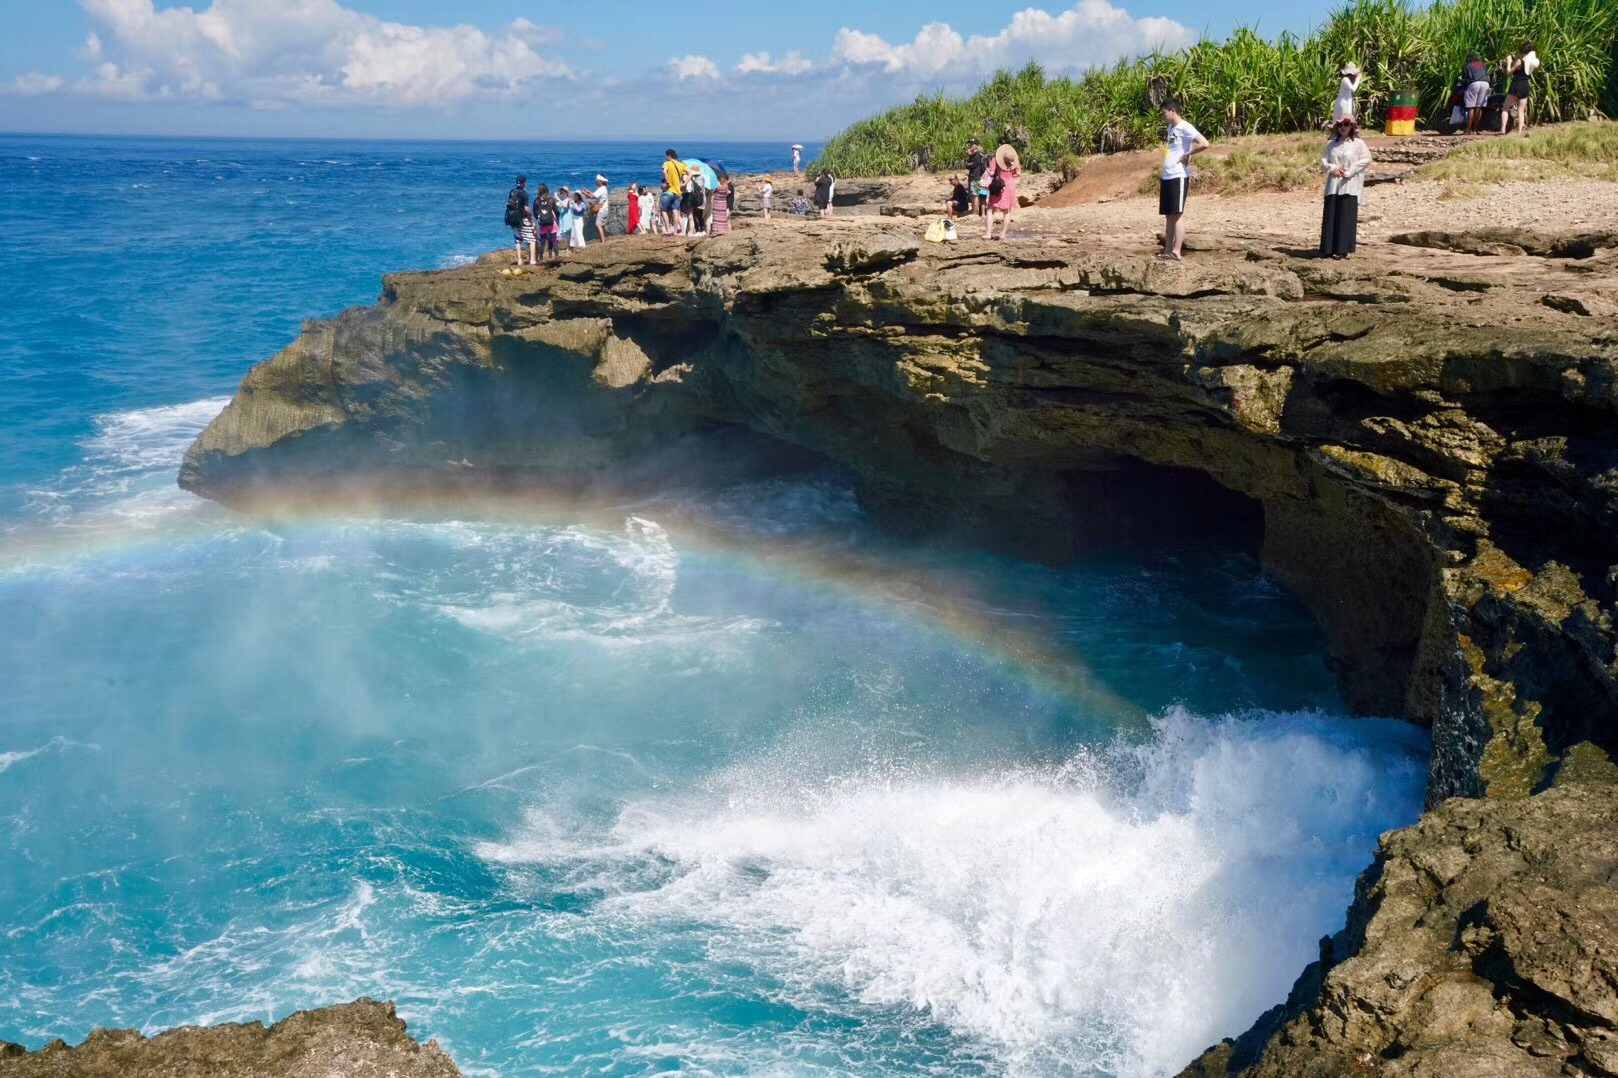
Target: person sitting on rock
pixel 959 202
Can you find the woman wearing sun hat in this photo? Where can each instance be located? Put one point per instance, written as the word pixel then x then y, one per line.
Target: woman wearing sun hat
pixel 1344 163
pixel 1344 108
pixel 1002 180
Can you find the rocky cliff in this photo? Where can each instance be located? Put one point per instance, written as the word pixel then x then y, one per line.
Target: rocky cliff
pixel 364 1039
pixel 1422 444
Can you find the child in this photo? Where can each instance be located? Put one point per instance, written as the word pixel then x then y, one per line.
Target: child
pixel 545 219
pixel 768 196
pixel 564 214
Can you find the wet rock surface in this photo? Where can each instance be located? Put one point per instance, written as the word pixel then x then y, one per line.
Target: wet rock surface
pixel 1483 941
pixel 363 1039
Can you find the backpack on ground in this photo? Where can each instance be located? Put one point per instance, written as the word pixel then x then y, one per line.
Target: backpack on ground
pixel 516 204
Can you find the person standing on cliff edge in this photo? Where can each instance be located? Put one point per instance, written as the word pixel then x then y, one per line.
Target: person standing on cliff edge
pixel 1184 142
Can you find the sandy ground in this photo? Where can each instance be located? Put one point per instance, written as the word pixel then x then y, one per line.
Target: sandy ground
pixel 1384 211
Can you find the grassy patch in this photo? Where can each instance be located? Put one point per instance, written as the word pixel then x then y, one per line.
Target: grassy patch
pixel 1250 85
pixel 1253 166
pixel 1462 191
pixel 1586 151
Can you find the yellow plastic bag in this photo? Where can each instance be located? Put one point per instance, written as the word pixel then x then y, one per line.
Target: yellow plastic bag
pixel 935 232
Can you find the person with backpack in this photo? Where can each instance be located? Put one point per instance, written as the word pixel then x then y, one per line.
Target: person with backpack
pixel 546 222
pixel 521 222
pixel 977 163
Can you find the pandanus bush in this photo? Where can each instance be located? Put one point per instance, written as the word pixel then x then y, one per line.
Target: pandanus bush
pixel 1250 85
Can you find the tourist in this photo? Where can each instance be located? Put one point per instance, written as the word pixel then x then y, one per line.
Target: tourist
pixel 521 221
pixel 673 193
pixel 959 201
pixel 632 211
pixel 767 196
pixel 564 215
pixel 1521 71
pixel 977 163
pixel 797 160
pixel 1476 98
pixel 580 213
pixel 600 206
pixel 823 186
pixel 1183 143
pixel 1344 107
pixel 546 217
pixel 649 215
pixel 831 193
pixel 800 205
pixel 1002 175
pixel 719 215
pixel 1344 163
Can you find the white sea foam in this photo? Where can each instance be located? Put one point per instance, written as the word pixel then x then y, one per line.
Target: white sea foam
pixel 9 760
pixel 1115 914
pixel 572 583
pixel 127 474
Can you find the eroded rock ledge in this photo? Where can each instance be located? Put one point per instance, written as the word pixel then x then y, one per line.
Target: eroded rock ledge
pixel 363 1039
pixel 1430 435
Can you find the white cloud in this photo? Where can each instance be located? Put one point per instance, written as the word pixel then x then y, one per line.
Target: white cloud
pixel 693 67
pixel 1091 32
pixel 33 84
pixel 267 53
pixel 760 63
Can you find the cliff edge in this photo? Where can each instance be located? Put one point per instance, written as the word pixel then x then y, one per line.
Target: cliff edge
pixel 1422 443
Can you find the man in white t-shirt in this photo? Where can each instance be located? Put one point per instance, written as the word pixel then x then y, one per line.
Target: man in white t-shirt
pixel 600 203
pixel 1183 142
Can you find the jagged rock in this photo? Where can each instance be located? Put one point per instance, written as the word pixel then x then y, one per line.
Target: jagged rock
pixel 1440 488
pixel 1483 942
pixel 363 1039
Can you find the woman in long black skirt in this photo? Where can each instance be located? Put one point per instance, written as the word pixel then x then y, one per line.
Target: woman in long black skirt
pixel 1344 162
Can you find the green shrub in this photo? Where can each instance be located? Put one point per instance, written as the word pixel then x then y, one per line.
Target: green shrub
pixel 1247 85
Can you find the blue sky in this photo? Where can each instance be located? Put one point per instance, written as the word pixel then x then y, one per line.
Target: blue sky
pixel 501 68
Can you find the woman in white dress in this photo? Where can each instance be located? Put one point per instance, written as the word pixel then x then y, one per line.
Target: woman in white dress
pixel 1344 107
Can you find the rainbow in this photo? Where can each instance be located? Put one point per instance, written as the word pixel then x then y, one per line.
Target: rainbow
pixel 930 598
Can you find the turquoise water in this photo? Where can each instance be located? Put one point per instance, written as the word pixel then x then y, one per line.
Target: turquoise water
pixel 715 783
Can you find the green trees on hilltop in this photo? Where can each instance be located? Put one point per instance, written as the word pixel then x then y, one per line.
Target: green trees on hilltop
pixel 1248 85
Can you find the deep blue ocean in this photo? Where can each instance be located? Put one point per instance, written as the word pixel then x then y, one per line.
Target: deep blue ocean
pixel 719 783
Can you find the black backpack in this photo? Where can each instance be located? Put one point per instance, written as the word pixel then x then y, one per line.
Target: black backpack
pixel 516 203
pixel 545 213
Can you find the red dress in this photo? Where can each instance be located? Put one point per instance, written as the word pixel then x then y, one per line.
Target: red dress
pixel 634 214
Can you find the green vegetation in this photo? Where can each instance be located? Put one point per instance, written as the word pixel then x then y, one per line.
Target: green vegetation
pixel 1247 85
pixel 1581 151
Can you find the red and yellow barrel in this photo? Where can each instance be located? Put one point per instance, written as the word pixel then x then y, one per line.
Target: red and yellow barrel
pixel 1401 113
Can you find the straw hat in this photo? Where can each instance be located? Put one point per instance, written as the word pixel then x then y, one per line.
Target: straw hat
pixel 1350 68
pixel 1006 157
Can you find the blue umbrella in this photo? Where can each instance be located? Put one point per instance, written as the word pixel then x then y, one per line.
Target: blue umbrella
pixel 704 169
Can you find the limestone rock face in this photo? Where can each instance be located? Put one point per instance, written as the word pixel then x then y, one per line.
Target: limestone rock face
pixel 1482 942
pixel 1438 477
pixel 363 1039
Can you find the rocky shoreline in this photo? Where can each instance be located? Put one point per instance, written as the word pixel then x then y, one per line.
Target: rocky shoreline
pixel 363 1039
pixel 1432 469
